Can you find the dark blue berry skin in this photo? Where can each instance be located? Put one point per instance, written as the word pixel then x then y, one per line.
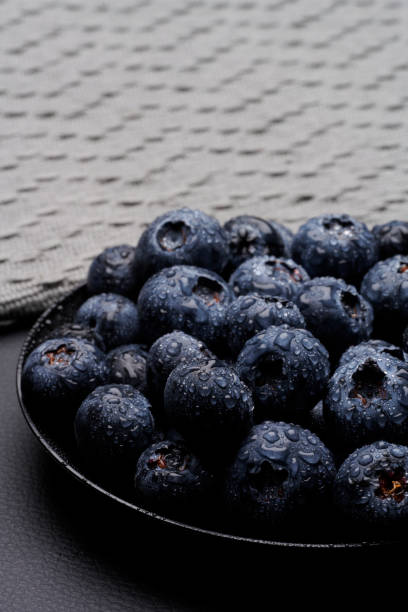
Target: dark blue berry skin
pixel 371 486
pixel 286 236
pixel 250 236
pixel 367 400
pixel 209 405
pixel 126 365
pixel 280 469
pixel 185 298
pixel 386 287
pixel 335 245
pixel 167 353
pixel 114 318
pixel 374 348
pixel 60 372
pixel 392 238
pixel 287 370
pixel 335 313
pixel 75 330
pixel 181 237
pixel 268 275
pixel 405 341
pixel 112 272
pixel 169 477
pixel 113 426
pixel 250 314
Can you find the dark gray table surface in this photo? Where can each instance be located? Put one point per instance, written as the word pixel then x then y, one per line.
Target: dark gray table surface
pixel 65 548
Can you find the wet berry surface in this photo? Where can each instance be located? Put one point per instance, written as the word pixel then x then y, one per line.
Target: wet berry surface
pixel 237 377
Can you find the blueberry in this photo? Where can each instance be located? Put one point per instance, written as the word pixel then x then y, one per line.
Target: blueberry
pixel 126 365
pixel 287 370
pixel 371 486
pixel 167 353
pixel 185 298
pixel 374 348
pixel 184 236
pixel 386 287
pixel 61 372
pixel 392 238
pixel 250 314
pixel 113 317
pixel 268 275
pixel 250 236
pixel 113 426
pixel 335 245
pixel 112 272
pixel 367 400
pixel 280 469
pixel 209 405
pixel 169 477
pixel 335 313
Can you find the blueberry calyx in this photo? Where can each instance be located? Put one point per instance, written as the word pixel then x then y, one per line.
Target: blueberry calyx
pixel 172 458
pixel 208 290
pixel 244 243
pixel 269 370
pixel 173 235
pixel 60 355
pixel 337 225
pixel 368 382
pixel 268 480
pixel 351 304
pixel 392 484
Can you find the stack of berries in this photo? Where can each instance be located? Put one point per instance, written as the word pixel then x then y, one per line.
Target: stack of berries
pixel 209 363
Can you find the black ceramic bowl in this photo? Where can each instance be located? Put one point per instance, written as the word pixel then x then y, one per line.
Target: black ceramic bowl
pixel 327 533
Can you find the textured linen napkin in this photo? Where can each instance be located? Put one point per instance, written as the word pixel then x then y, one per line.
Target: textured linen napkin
pixel 112 113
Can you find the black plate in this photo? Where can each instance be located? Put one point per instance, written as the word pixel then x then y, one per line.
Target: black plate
pixel 60 445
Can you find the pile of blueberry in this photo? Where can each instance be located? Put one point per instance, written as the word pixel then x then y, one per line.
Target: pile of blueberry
pixel 241 367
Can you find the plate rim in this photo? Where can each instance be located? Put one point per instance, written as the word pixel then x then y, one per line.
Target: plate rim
pixel 78 475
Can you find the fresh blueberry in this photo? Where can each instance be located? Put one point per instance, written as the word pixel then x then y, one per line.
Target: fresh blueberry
pixel 280 469
pixel 112 272
pixel 251 236
pixel 268 275
pixel 386 287
pixel 167 353
pixel 287 370
pixel 61 372
pixel 209 405
pixel 113 317
pixel 185 298
pixel 169 477
pixel 371 486
pixel 392 238
pixel 367 400
pixel 374 348
pixel 250 314
pixel 335 245
pixel 126 365
pixel 335 313
pixel 113 426
pixel 181 237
